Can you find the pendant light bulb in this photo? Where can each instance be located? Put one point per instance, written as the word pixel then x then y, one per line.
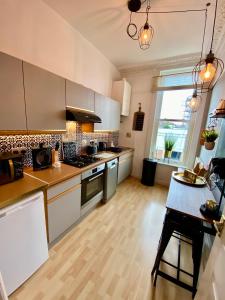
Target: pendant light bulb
pixel 193 102
pixel 208 73
pixel 145 36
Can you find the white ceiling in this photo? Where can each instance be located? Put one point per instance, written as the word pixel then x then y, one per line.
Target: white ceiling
pixel 104 23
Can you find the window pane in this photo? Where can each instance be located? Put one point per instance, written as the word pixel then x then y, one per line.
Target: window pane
pixel 174 105
pixel 172 132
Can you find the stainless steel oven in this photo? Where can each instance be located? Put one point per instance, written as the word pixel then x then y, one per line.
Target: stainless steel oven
pixel 92 182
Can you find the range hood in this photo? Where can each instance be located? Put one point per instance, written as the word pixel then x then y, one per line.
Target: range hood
pixel 81 116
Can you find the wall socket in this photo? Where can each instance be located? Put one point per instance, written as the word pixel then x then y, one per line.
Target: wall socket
pixel 19 150
pixel 128 134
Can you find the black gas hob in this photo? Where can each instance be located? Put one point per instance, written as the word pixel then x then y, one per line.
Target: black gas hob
pixel 81 161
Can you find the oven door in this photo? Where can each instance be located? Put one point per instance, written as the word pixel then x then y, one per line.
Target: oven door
pixel 91 186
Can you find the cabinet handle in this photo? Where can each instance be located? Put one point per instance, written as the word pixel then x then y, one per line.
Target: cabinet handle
pixel 113 167
pixel 63 193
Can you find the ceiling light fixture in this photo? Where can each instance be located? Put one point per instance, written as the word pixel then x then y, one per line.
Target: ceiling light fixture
pixel 146 32
pixel 208 71
pixel 193 102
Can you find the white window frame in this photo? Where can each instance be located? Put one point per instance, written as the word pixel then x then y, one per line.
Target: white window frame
pixel 188 154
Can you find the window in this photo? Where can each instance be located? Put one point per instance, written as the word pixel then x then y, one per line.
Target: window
pixel 172 134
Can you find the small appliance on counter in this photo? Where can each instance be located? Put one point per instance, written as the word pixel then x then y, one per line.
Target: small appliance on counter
pixel 102 146
pixel 92 148
pixel 11 167
pixel 42 157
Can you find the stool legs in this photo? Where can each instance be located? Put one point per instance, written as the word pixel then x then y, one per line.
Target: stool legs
pixel 164 240
pixel 197 253
pixel 188 228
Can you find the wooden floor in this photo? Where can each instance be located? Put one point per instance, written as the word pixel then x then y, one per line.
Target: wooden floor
pixel 110 254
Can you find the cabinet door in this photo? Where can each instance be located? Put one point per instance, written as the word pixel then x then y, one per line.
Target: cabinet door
pixel 114 115
pixel 125 168
pixel 12 112
pixel 121 91
pixel 126 99
pixel 45 99
pixel 109 112
pixel 63 211
pixel 102 110
pixel 79 96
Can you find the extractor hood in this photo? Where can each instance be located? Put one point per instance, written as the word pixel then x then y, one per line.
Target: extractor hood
pixel 82 116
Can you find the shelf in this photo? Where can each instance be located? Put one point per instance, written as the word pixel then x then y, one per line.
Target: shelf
pixel 217 116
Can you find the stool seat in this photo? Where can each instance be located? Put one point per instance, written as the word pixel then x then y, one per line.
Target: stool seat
pixel 187 227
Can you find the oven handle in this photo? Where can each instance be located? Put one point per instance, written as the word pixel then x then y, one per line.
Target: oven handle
pixel 93 178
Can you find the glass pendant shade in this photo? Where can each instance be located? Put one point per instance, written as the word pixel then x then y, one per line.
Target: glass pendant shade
pixel 193 102
pixel 145 36
pixel 207 72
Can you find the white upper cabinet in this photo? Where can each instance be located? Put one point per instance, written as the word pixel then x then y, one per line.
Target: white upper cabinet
pixel 109 112
pixel 79 96
pixel 45 99
pixel 121 91
pixel 12 112
pixel 114 114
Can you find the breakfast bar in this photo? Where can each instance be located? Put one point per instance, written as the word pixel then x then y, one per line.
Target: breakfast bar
pixel 184 221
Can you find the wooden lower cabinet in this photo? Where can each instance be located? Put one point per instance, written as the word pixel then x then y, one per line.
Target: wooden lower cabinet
pixel 63 211
pixel 125 166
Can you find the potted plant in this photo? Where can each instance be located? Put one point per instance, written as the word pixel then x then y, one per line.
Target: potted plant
pixel 210 136
pixel 169 144
pixel 202 138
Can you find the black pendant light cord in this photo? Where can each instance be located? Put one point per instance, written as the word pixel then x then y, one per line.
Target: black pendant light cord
pixel 214 24
pixel 204 32
pixel 171 11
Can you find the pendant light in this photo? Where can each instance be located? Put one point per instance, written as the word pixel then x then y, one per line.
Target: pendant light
pixel 146 32
pixel 208 71
pixel 145 35
pixel 193 102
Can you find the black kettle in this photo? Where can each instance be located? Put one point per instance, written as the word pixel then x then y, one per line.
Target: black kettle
pixel 102 146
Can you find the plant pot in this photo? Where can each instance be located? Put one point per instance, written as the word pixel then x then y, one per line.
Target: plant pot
pixel 202 141
pixel 167 153
pixel 209 145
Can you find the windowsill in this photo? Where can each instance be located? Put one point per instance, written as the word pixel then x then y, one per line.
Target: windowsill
pixel 171 164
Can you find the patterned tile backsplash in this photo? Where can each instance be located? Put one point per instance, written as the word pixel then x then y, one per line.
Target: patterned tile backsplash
pixel 7 143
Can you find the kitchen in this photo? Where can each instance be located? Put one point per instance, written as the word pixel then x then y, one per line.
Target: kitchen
pixel 75 136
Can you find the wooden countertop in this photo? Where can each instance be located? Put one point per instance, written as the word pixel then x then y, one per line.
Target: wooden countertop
pixel 39 180
pixel 187 200
pixel 52 176
pixel 13 192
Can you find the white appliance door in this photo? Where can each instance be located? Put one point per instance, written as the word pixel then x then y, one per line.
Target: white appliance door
pixel 23 241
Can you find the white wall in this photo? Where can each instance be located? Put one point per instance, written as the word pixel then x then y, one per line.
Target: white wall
pixel 140 140
pixel 32 31
pixel 141 85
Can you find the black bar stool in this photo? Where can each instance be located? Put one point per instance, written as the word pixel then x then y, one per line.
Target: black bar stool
pixel 180 226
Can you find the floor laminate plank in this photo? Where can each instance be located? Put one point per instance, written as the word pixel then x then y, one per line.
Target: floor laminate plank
pixel 110 253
